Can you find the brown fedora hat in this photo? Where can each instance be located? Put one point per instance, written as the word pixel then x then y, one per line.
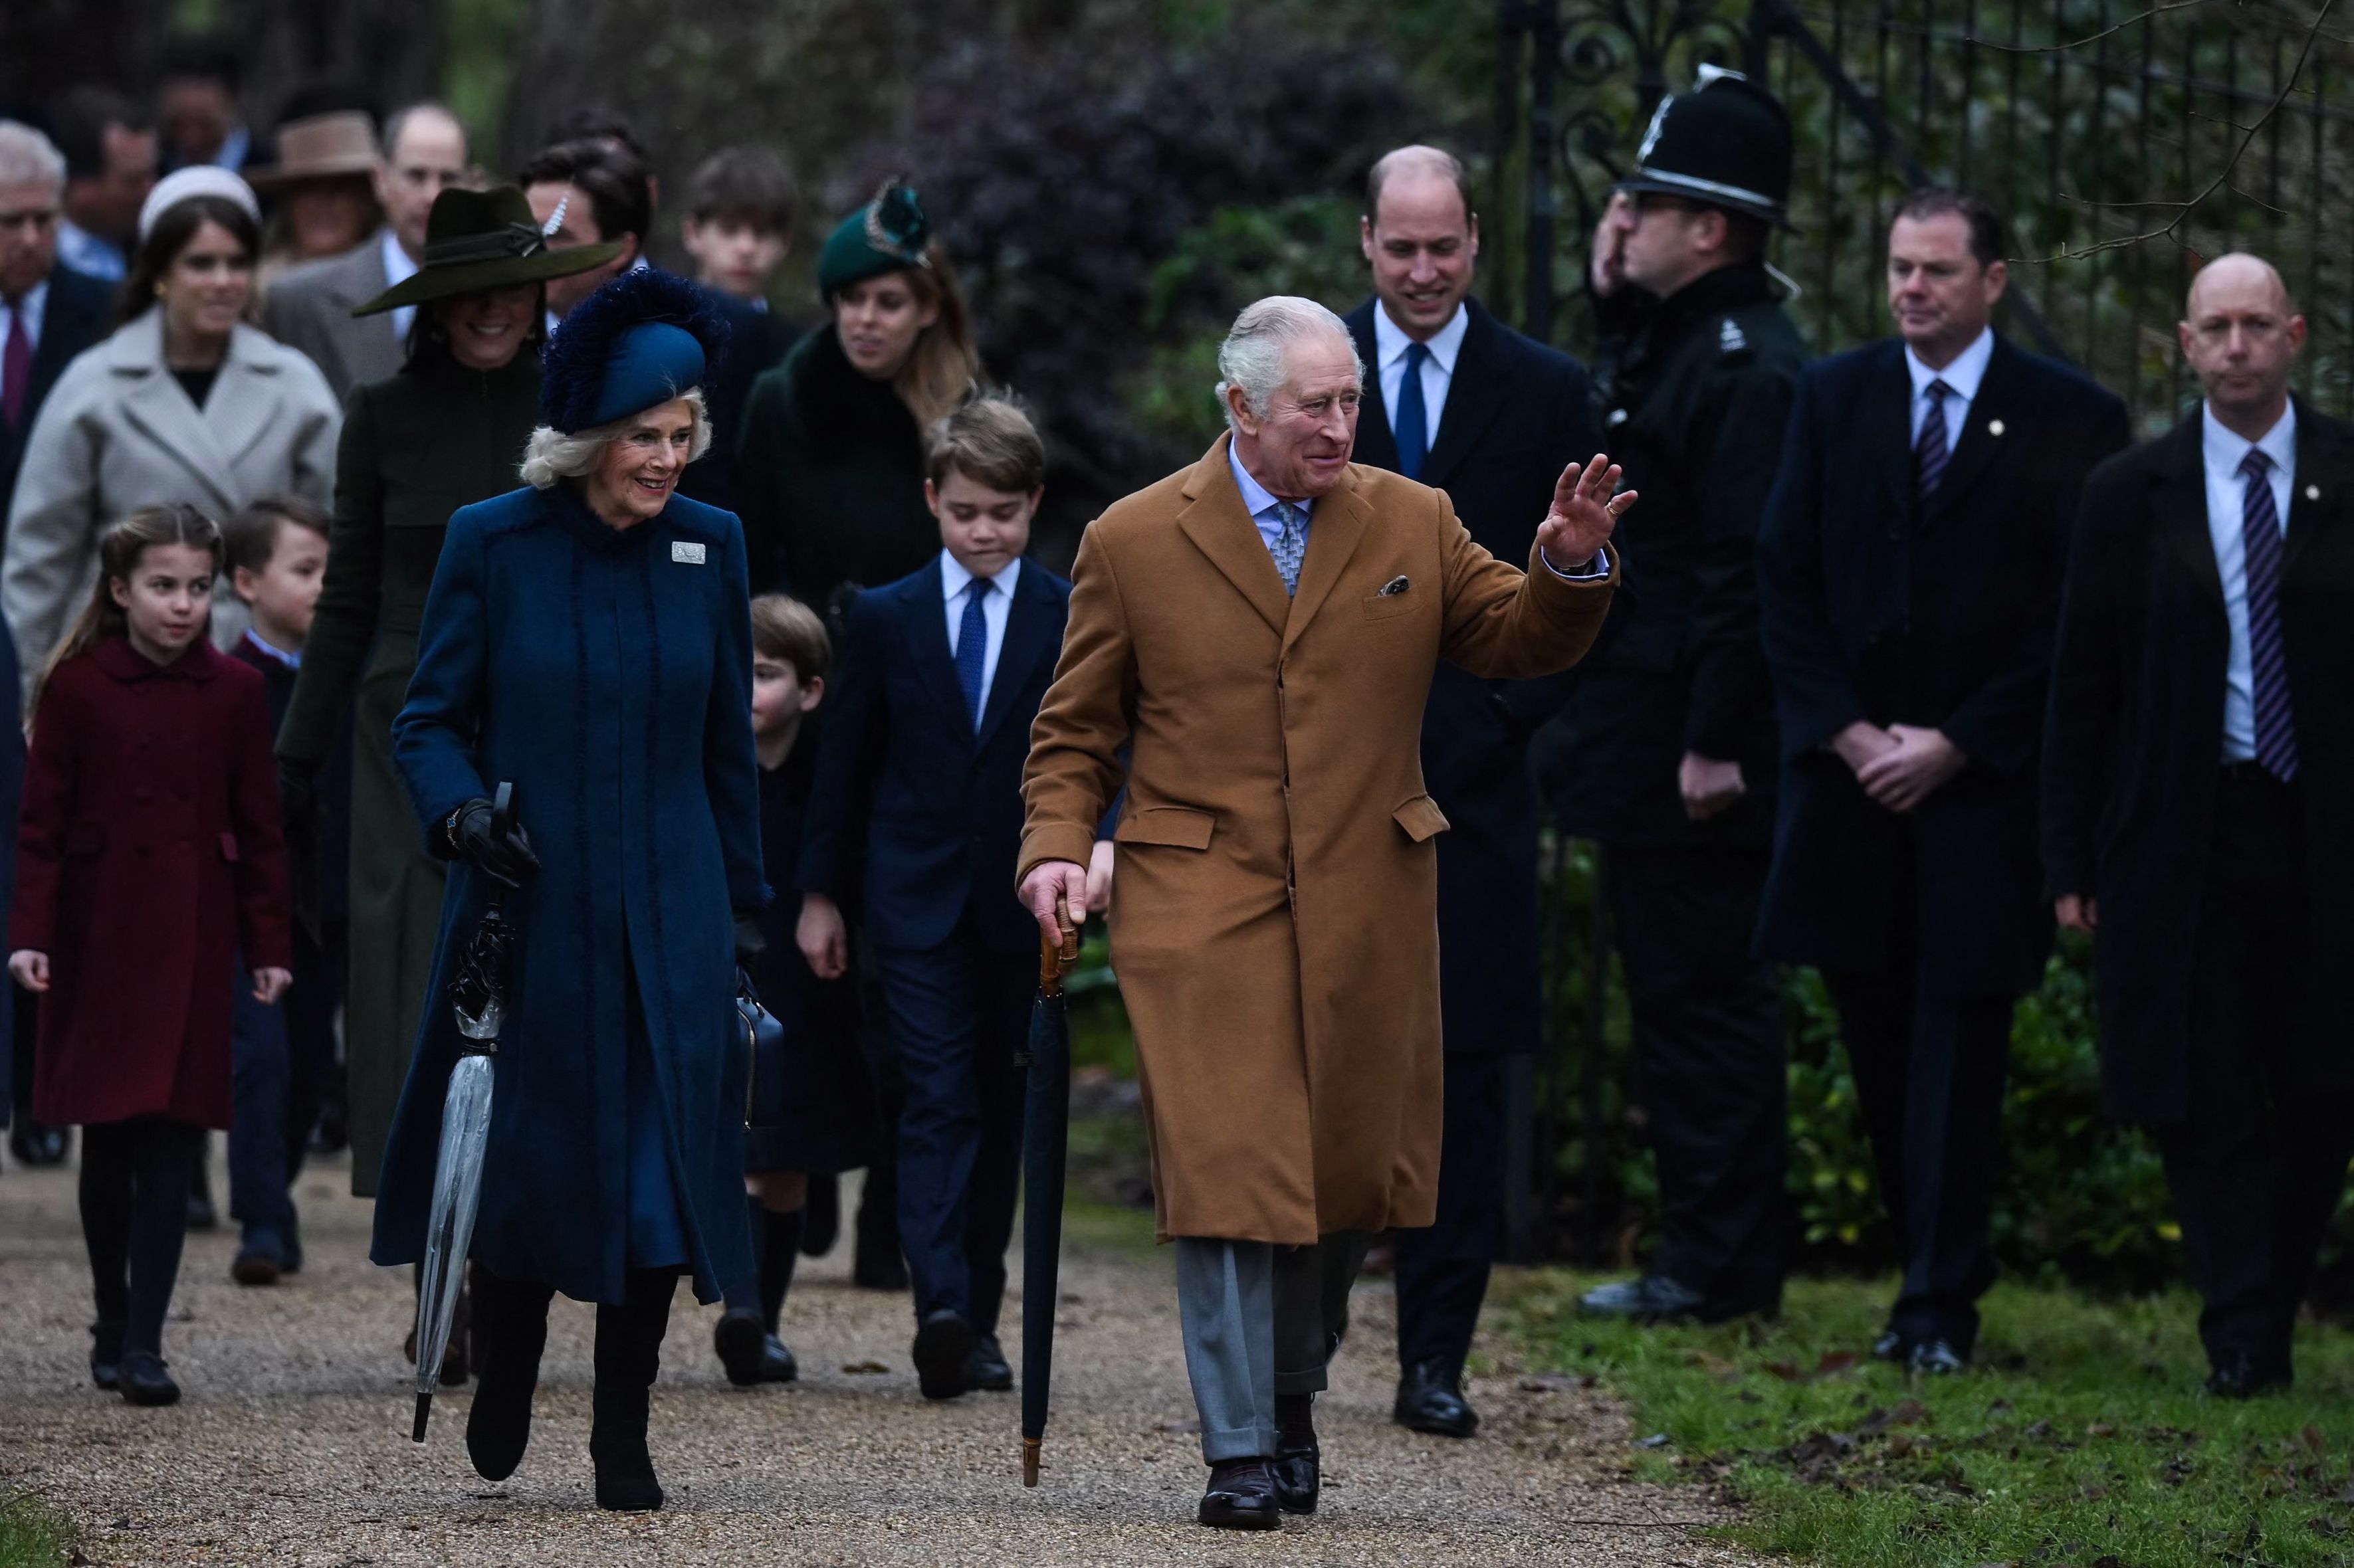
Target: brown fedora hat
pixel 320 147
pixel 485 239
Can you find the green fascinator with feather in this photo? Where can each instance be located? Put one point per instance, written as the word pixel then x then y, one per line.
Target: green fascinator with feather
pixel 888 234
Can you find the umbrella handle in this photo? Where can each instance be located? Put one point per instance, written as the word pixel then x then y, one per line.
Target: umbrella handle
pixel 1055 958
pixel 1030 1461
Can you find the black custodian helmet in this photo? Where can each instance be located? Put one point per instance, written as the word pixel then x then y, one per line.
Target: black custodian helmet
pixel 1725 144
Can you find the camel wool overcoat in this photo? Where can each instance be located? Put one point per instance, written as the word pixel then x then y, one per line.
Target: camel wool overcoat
pixel 1274 921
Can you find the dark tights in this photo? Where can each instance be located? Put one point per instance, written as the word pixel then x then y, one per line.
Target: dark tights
pixel 134 1216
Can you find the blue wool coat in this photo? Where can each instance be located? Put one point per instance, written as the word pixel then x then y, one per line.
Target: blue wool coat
pixel 607 674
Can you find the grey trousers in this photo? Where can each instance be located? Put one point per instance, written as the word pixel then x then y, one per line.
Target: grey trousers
pixel 1260 1320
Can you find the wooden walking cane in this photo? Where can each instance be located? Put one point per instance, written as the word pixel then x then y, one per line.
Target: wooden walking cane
pixel 1046 1147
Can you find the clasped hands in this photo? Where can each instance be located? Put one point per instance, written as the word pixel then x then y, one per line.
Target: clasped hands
pixel 1899 767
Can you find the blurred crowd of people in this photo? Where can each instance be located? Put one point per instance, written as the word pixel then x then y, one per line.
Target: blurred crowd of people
pixel 1858 705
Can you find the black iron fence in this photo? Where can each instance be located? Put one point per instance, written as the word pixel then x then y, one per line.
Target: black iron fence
pixel 2124 140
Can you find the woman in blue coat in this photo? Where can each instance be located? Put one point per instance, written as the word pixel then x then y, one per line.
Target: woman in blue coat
pixel 588 639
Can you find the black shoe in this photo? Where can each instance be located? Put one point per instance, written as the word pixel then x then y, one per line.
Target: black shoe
pixel 1297 1466
pixel 986 1368
pixel 750 1354
pixel 36 1143
pixel 1430 1399
pixel 144 1380
pixel 510 1332
pixel 1935 1358
pixel 821 1216
pixel 106 1356
pixel 2244 1377
pixel 943 1353
pixel 258 1263
pixel 1891 1346
pixel 777 1361
pixel 1241 1496
pixel 1653 1298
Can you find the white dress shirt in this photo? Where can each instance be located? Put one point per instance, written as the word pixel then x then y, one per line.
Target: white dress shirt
pixel 2227 500
pixel 1390 344
pixel 994 611
pixel 1961 378
pixel 89 255
pixel 32 304
pixel 1263 506
pixel 398 269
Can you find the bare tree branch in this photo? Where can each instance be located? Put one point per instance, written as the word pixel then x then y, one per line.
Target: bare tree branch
pixel 2089 38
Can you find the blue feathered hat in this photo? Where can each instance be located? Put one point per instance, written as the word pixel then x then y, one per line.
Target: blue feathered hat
pixel 642 339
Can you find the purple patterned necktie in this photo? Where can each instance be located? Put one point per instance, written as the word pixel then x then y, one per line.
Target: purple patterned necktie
pixel 2260 534
pixel 1929 453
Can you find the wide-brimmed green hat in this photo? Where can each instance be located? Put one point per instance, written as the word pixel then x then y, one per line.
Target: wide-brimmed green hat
pixel 486 240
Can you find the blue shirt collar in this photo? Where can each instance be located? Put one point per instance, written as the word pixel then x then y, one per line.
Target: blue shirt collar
pixel 1257 500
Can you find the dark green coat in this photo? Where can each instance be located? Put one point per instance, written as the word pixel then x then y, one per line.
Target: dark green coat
pixel 415 448
pixel 830 478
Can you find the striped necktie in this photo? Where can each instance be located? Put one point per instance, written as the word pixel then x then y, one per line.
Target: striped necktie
pixel 1929 453
pixel 2260 534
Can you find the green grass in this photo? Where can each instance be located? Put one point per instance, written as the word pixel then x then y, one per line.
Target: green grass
pixel 32 1533
pixel 2081 1436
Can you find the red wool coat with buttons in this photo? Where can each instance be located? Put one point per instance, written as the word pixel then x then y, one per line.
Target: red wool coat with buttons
pixel 149 854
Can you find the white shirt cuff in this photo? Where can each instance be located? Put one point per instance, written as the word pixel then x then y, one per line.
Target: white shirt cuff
pixel 1595 570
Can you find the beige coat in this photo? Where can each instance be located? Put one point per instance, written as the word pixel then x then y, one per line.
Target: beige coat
pixel 119 432
pixel 1274 919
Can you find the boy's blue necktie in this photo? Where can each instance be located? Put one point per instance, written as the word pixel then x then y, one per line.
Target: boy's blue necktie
pixel 972 647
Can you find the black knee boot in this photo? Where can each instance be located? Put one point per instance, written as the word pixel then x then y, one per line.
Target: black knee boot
pixel 629 1355
pixel 510 1332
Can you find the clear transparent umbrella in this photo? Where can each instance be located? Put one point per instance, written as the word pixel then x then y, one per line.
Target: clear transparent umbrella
pixel 478 994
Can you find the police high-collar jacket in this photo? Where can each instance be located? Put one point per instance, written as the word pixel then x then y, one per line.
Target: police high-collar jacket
pixel 1693 398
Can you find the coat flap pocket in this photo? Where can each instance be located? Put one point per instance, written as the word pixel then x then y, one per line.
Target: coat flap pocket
pixel 85 838
pixel 1179 827
pixel 228 848
pixel 1421 819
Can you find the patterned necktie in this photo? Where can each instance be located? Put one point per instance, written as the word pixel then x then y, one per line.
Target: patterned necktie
pixel 2260 534
pixel 1412 426
pixel 972 647
pixel 1929 453
pixel 15 366
pixel 1291 545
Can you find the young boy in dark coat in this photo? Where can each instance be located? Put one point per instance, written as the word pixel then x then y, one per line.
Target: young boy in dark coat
pixel 829 1100
pixel 275 552
pixel 919 780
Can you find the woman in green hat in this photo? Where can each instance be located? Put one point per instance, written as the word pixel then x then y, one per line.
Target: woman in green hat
pixel 831 471
pixel 449 431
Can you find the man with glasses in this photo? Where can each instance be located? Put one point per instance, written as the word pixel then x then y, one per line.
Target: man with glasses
pixel 1665 754
pixel 48 315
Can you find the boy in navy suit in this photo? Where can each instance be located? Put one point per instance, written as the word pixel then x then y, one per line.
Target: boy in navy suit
pixel 920 783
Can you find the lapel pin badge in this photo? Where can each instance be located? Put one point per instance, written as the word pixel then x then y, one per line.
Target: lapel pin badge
pixel 2313 493
pixel 1994 427
pixel 1393 588
pixel 680 550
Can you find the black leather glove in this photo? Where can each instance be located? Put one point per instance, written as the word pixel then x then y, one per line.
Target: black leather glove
pixel 505 858
pixel 749 940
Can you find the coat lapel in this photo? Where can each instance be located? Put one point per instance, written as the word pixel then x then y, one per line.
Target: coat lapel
pixel 2317 502
pixel 1891 423
pixel 1028 637
pixel 1219 527
pixel 2178 511
pixel 245 399
pixel 156 404
pixel 1334 529
pixel 1993 406
pixel 1474 394
pixel 1376 442
pixel 926 627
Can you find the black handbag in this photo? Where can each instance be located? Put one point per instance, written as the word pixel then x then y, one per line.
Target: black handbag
pixel 764 1068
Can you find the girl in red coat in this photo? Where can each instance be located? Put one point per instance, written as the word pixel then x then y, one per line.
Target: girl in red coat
pixel 148 857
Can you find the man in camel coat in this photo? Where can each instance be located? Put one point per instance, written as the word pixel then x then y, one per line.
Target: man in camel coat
pixel 1260 630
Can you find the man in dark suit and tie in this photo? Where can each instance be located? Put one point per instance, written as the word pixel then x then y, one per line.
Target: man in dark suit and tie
pixel 48 313
pixel 918 802
pixel 1461 402
pixel 1908 577
pixel 2198 763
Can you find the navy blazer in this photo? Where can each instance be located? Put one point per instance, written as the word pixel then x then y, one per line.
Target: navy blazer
pixel 72 318
pixel 1875 608
pixel 905 785
pixel 1517 413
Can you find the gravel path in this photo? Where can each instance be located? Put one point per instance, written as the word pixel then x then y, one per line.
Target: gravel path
pixel 291 1446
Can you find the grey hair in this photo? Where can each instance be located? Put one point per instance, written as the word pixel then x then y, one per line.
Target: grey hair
pixel 551 455
pixel 1253 355
pixel 29 158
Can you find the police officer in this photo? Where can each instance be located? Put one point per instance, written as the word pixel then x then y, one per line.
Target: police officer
pixel 1666 752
